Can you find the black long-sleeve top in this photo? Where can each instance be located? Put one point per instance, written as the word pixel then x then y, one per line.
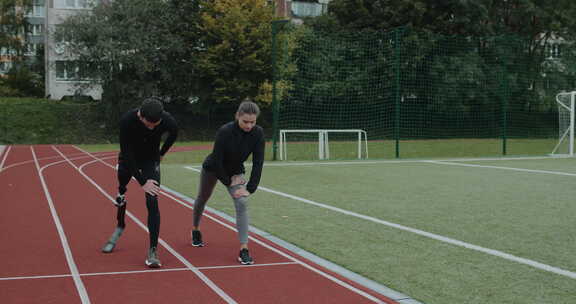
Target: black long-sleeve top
pixel 138 143
pixel 231 149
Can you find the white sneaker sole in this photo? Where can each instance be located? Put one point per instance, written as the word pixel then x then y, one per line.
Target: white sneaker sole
pixel 153 265
pixel 109 247
pixel 245 263
pixel 196 245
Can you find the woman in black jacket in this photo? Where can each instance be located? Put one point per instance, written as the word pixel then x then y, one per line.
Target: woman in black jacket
pixel 235 141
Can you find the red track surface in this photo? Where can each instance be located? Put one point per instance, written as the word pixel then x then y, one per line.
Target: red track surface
pixel 57 213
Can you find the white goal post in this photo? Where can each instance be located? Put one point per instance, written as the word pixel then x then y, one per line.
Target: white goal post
pixel 565 102
pixel 323 142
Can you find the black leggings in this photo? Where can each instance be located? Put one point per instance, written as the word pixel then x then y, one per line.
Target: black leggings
pixel 150 170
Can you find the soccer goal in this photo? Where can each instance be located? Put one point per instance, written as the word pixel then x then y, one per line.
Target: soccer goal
pixel 344 142
pixel 565 102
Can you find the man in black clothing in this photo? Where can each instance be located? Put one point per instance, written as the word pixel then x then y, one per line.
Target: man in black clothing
pixel 141 131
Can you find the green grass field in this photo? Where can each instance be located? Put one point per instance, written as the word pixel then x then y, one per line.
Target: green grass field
pixel 409 149
pixel 433 148
pixel 524 208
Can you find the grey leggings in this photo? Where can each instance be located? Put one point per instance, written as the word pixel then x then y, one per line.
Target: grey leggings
pixel 207 184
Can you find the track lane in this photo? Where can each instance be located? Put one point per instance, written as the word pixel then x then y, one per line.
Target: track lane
pixel 39 291
pixel 26 226
pixel 279 276
pixel 31 246
pixel 97 212
pixel 283 282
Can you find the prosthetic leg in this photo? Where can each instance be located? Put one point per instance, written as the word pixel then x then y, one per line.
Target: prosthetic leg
pixel 120 215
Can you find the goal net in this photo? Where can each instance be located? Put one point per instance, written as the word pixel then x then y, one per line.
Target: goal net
pixel 565 145
pixel 323 144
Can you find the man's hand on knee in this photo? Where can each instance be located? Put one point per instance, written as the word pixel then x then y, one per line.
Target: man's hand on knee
pixel 151 187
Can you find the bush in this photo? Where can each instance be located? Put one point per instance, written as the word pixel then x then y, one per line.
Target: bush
pixel 24 82
pixel 8 91
pixel 43 121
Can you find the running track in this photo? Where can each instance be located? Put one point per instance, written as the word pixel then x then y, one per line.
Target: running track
pixel 57 213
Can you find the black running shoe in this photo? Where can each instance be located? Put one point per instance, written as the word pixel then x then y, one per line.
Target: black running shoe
pixel 197 238
pixel 120 200
pixel 244 257
pixel 152 261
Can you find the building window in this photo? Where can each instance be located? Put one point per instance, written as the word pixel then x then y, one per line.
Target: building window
pixel 553 51
pixel 308 9
pixel 73 71
pixel 37 9
pixel 5 66
pixel 36 29
pixel 4 51
pixel 78 4
pixel 66 70
pixel 31 49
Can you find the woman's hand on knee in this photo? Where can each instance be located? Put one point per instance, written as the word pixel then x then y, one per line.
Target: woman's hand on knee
pixel 237 180
pixel 240 192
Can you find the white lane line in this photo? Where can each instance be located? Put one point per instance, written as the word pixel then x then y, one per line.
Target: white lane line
pixel 493 252
pixel 398 161
pixel 44 158
pixel 251 266
pixel 68 253
pixel 444 239
pixel 141 271
pixel 185 269
pixel 191 267
pixel 36 277
pixel 501 168
pixel 5 155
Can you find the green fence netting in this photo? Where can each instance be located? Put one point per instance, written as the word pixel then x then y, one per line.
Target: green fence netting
pixel 416 94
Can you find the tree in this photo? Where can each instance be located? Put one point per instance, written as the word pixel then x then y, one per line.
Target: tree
pixel 24 78
pixel 445 64
pixel 13 23
pixel 199 52
pixel 463 17
pixel 540 24
pixel 235 61
pixel 136 47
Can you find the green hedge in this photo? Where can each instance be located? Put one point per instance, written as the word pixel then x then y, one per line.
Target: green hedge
pixel 43 121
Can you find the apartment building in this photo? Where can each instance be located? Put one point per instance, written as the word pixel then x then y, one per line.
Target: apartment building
pixel 64 75
pixel 33 38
